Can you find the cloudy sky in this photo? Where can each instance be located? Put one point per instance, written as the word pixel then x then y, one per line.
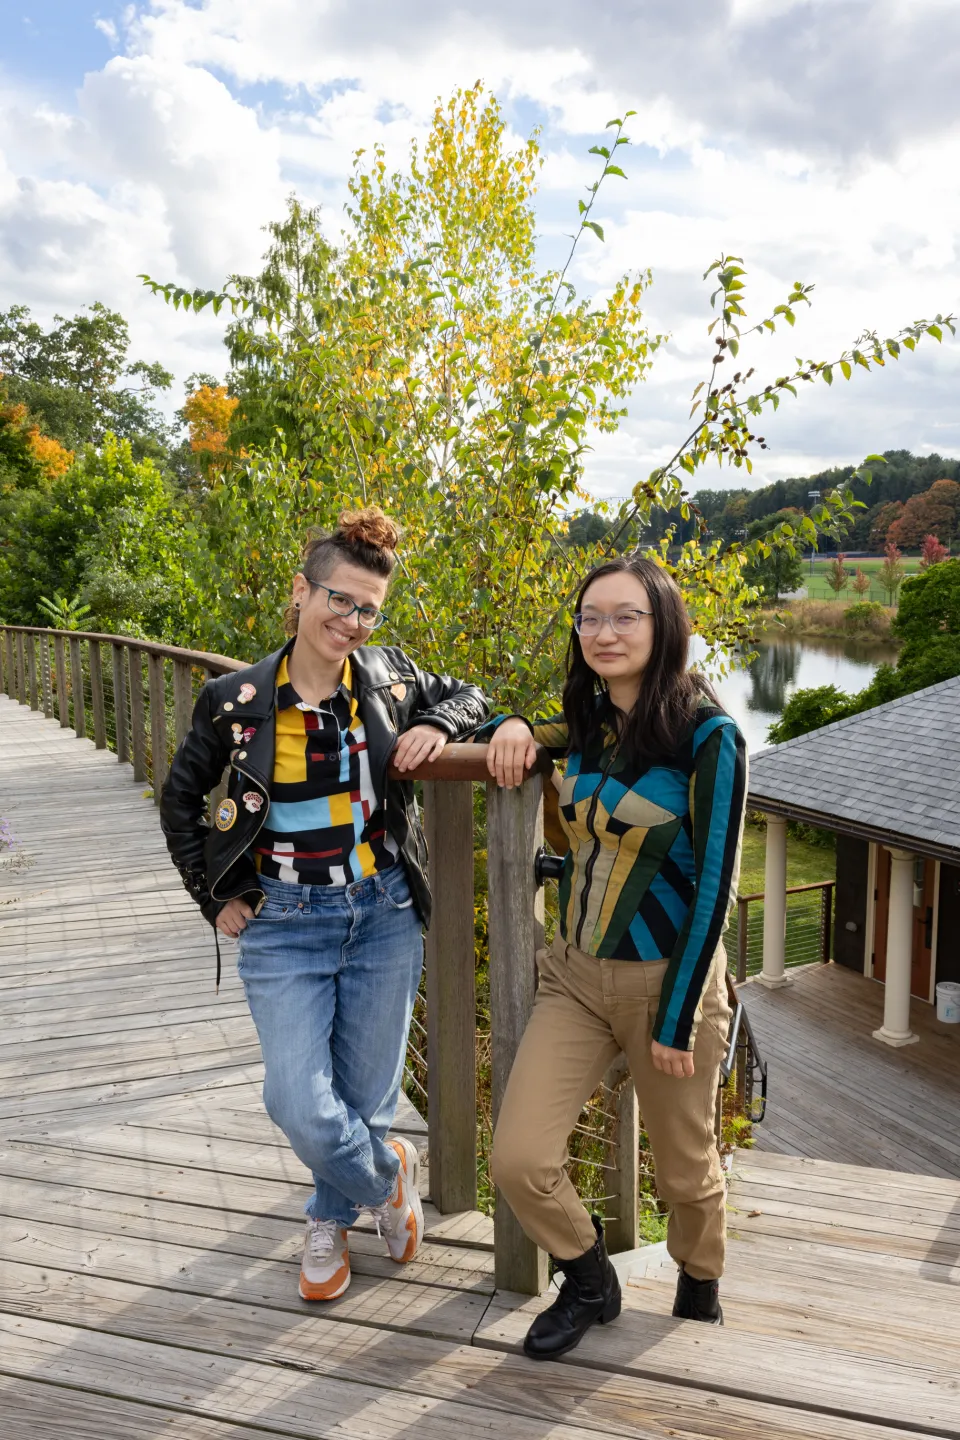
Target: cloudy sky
pixel 819 139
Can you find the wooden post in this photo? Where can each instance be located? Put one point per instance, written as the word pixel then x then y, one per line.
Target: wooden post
pixel 96 695
pixel 3 668
pixel 182 698
pixel 21 671
pixel 120 704
pixel 11 669
pixel 514 831
pixel 31 643
pixel 138 717
pixel 46 680
pixel 158 722
pixel 623 1181
pixel 63 708
pixel 826 922
pixel 76 685
pixel 743 938
pixel 451 997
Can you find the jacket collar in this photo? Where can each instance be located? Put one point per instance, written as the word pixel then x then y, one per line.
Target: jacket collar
pixel 372 666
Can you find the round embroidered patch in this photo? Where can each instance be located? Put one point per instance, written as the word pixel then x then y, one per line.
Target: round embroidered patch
pixel 226 814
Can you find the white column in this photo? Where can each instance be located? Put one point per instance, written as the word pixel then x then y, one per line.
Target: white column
pixel 775 906
pixel 896 999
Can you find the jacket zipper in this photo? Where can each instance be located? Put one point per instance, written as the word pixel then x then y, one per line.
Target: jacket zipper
pixel 254 780
pixel 591 862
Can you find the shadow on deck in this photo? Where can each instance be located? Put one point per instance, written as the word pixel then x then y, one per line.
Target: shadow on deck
pixel 150 1215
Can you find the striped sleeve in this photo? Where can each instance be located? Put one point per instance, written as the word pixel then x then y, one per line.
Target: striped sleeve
pixel 718 799
pixel 551 733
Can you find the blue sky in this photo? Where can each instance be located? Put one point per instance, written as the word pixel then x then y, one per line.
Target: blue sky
pixel 52 43
pixel 818 138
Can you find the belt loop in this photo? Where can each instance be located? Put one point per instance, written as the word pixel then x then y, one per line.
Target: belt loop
pixel 305 898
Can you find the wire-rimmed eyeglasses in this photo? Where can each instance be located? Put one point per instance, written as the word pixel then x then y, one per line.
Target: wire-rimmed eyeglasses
pixel 368 615
pixel 624 622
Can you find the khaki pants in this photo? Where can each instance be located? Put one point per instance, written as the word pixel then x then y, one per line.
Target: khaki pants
pixel 585 1013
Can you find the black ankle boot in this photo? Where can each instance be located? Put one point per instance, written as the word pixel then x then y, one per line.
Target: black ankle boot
pixel 590 1291
pixel 698 1300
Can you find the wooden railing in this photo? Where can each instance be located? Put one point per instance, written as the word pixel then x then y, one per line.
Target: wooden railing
pixel 96 685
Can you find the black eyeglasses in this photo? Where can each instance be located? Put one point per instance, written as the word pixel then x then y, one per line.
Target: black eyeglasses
pixel 369 616
pixel 624 622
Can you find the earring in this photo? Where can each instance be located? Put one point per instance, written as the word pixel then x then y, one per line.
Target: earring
pixel 296 605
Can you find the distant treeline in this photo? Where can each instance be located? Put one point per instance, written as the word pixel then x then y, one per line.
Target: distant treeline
pixel 729 513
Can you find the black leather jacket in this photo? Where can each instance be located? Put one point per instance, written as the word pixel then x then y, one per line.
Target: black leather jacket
pixel 393 695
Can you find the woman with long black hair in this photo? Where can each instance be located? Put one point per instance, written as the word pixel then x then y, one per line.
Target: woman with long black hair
pixel 652 804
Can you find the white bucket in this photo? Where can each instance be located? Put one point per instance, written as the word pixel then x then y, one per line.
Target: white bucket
pixel 948 1002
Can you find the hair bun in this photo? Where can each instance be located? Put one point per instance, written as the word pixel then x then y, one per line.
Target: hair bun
pixel 368 527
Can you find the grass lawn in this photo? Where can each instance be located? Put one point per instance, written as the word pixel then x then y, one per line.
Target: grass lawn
pixel 806 863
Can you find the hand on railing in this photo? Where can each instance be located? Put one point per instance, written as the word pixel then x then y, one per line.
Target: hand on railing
pixel 511 752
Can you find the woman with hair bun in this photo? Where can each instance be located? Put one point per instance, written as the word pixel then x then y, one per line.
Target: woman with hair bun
pixel 318 865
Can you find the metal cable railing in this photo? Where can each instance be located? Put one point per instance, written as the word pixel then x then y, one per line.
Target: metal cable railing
pixel 809 930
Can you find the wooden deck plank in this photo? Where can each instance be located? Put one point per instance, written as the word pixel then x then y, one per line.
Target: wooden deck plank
pixel 838 1093
pixel 151 1216
pixel 627 1406
pixel 789 1372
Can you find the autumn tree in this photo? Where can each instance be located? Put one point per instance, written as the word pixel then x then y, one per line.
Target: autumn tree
pixel 27 455
pixel 932 552
pixel 891 572
pixel 884 517
pixel 837 574
pixel 934 512
pixel 860 583
pixel 208 411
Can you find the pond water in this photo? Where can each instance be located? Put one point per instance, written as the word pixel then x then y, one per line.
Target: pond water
pixel 755 696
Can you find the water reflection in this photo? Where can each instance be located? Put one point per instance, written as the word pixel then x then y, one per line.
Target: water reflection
pixel 755 695
pixel 774 669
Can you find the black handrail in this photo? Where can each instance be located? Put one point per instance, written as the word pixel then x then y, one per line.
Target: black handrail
pixel 751 1066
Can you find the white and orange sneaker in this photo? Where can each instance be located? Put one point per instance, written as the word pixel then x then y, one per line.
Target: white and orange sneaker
pixel 325 1268
pixel 400 1217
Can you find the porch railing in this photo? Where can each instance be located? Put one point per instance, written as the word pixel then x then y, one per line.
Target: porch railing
pixel 135 697
pixel 809 932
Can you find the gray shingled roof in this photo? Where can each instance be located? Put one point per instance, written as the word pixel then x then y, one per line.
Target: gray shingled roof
pixel 893 771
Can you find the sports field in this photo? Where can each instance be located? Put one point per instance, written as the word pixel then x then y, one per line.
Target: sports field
pixel 815 578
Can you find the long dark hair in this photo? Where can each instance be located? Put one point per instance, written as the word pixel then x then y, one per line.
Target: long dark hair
pixel 669 692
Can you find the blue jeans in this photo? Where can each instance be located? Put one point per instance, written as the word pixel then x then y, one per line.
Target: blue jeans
pixel 331 974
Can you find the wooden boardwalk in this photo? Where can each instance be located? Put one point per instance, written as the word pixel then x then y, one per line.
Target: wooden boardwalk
pixel 150 1216
pixel 838 1094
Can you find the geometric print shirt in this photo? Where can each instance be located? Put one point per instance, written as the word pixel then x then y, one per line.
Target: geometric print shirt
pixel 323 826
pixel 654 856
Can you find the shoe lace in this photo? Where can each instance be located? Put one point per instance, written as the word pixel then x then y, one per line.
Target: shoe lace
pixel 380 1214
pixel 321 1237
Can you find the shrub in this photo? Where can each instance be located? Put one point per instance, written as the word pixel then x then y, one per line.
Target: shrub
pixel 809 709
pixel 866 615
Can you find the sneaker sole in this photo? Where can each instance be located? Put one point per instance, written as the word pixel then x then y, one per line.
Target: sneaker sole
pixel 320 1299
pixel 413 1178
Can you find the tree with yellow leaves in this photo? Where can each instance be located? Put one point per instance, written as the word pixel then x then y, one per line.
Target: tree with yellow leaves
pixel 428 363
pixel 208 411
